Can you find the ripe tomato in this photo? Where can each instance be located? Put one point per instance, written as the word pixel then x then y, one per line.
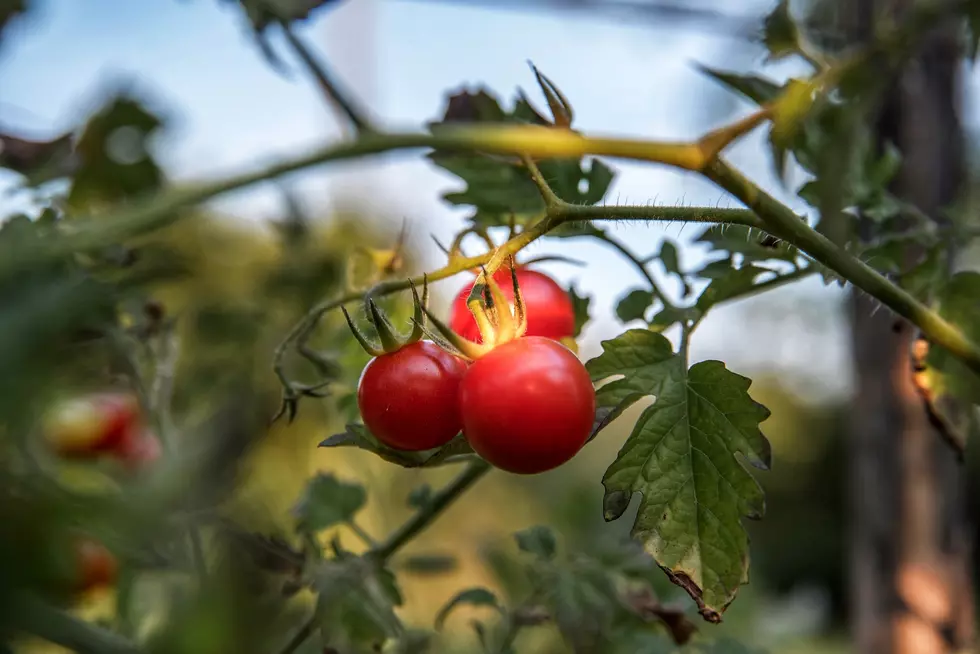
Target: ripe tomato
pixel 549 309
pixel 96 566
pixel 91 425
pixel 528 405
pixel 141 449
pixel 409 398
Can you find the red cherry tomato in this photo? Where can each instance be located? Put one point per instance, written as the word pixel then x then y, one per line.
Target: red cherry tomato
pixel 528 405
pixel 92 425
pixel 96 565
pixel 409 398
pixel 549 309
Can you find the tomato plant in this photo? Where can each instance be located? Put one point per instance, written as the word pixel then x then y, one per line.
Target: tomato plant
pixel 549 309
pixel 528 405
pixel 409 398
pixel 492 386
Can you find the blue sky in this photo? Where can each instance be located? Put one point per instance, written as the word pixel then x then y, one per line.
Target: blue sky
pixel 197 62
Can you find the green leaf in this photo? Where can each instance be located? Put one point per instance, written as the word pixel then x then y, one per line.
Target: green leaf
pixel 472 596
pixel 682 458
pixel 750 243
pixel 580 305
pixel 355 604
pixel 753 87
pixel 669 258
pixel 671 315
pixel 114 158
pixel 263 13
pixel 716 269
pixel 780 33
pixel 725 287
pixel 959 303
pixel 328 501
pixel 499 188
pixel 420 496
pixel 357 435
pixel 634 305
pixel 538 540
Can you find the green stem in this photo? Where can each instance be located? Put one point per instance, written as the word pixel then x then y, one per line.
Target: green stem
pixel 824 251
pixel 360 533
pixel 39 619
pixel 436 505
pixel 324 80
pixel 639 265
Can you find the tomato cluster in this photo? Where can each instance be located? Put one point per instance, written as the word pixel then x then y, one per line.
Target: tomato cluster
pixel 102 424
pixel 526 404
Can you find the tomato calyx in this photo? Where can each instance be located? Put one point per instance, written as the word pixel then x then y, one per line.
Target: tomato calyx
pixel 390 339
pixel 497 320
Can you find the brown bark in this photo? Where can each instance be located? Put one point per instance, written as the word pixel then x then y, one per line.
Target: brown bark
pixel 911 581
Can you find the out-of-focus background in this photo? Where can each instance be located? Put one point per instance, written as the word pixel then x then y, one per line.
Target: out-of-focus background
pixel 629 68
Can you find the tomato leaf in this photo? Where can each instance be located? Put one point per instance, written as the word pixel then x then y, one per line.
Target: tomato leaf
pixel 735 283
pixel 328 501
pixel 357 435
pixel 580 304
pixel 538 540
pixel 753 87
pixel 780 33
pixel 634 305
pixel 682 457
pixel 946 385
pixel 499 188
pixel 472 596
pixel 355 601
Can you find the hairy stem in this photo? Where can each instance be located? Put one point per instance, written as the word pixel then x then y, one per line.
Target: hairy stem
pixel 824 251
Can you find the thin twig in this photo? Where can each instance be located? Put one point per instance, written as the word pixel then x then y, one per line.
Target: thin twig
pixel 639 265
pixel 331 89
pixel 39 619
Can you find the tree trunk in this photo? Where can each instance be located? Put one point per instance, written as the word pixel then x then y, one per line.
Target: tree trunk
pixel 911 576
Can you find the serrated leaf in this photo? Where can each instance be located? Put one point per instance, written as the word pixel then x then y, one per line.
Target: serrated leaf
pixel 499 188
pixel 328 501
pixel 780 33
pixel 538 540
pixel 671 315
pixel 669 258
pixel 682 458
pixel 580 305
pixel 357 435
pixel 716 269
pixel 634 305
pixel 355 607
pixel 753 87
pixel 471 596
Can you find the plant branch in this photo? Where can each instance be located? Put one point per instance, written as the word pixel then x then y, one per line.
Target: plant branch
pixel 436 504
pixel 818 247
pixel 639 265
pixel 324 80
pixel 55 626
pixel 548 194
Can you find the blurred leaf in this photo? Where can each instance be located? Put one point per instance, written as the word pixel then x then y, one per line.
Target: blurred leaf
pixel 471 596
pixel 716 269
pixel 328 501
pixel 789 112
pixel 38 161
pixel 580 305
pixel 959 303
pixel 751 244
pixel 671 315
pixel 753 87
pixel 420 496
pixel 262 13
pixel 721 288
pixel 114 161
pixel 354 608
pixel 429 564
pixel 358 436
pixel 499 188
pixel 726 646
pixel 681 457
pixel 634 305
pixel 780 33
pixel 538 540
pixel 669 258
